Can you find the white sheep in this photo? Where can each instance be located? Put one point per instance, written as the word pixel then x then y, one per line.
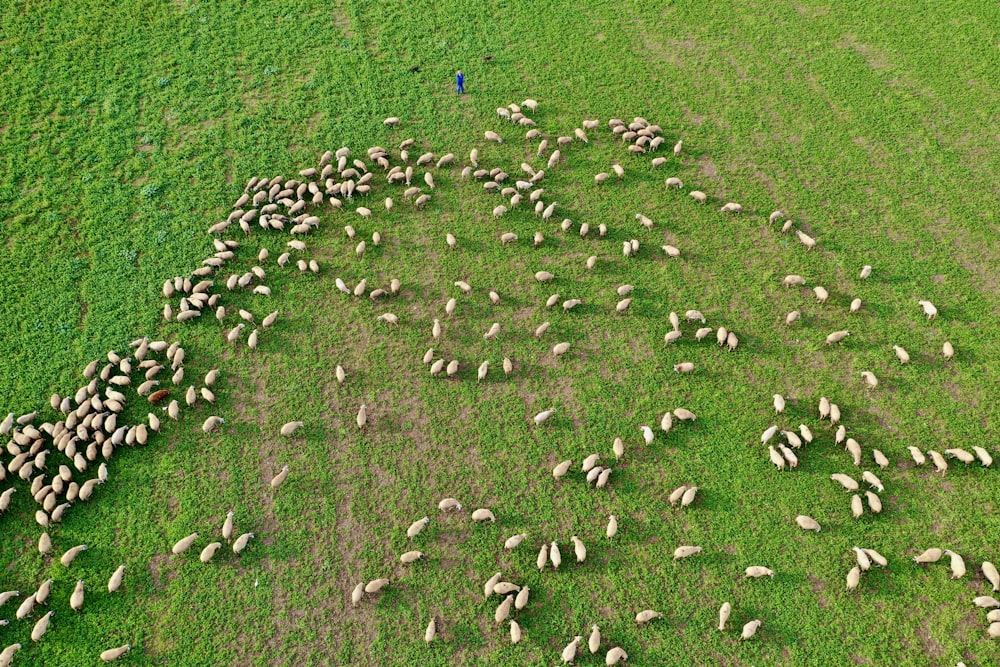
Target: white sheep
pixel 929 309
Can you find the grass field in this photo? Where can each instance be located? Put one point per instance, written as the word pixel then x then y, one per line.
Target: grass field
pixel 128 128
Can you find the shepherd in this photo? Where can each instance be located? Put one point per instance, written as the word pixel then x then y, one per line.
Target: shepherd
pixel 459 83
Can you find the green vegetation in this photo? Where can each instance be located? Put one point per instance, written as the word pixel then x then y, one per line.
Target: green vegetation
pixel 127 128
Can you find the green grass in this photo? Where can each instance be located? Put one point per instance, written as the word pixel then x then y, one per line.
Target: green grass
pixel 128 129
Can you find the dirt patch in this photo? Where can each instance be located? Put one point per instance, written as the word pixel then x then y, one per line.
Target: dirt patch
pixel 874 57
pixel 343 24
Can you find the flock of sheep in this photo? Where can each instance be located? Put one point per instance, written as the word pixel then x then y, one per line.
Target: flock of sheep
pixel 87 426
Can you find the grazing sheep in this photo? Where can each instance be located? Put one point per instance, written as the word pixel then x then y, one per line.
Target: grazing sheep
pixel 416 527
pixel 560 349
pixel 699 196
pixel 689 496
pixel 674 182
pixel 837 336
pixel 112 654
pixel 684 414
pixel 41 627
pixel 724 612
pixel 847 482
pixel 731 207
pixel 938 460
pixel 569 652
pixel 483 514
pixel 291 427
pixel 521 601
pixel 71 554
pixel 376 585
pixel 957 564
pixel 990 572
pixel 685 551
pixel 777 459
pixel 807 523
pixel 857 508
pixel 874 502
pixel 555 555
pixel 984 456
pixel 543 557
pixel 514 541
pixel 792 280
pixel 806 240
pixel 821 294
pixel 870 380
pixel 612 528
pixel 208 553
pixel 872 481
pixel 948 350
pixel 929 556
pixel 750 629
pixel 854 449
pixel 757 571
pixel 768 434
pixel 876 557
pixel 76 599
pixel 450 505
pixel 685 367
pixel 279 479
pixel 960 454
pixel 864 562
pixel 901 354
pixel 929 309
pixel 853 578
pixel 579 549
pixel 411 557
pixel 646 616
pixel 779 403
pixel 671 336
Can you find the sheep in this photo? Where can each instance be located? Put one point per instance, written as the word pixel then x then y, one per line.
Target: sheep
pixel 768 434
pixel 874 502
pixel 757 571
pixel 671 337
pixel 724 612
pixel 41 627
pixel 939 463
pixel 492 136
pixel 957 564
pixel 685 367
pixel 792 280
pixel 854 449
pixel 875 557
pixel 612 528
pixel 579 549
pixel 777 459
pixel 806 240
pixel 376 585
pixel 646 616
pixel 929 556
pixel 984 456
pixel 76 599
pixel 449 505
pixel 699 196
pixel 872 481
pixel 569 652
pixel 560 349
pixel 821 294
pixel 948 350
pixel 837 336
pixel 960 454
pixel 864 562
pixel 7 655
pixel 731 207
pixel 929 309
pixel 481 515
pixel 208 553
pixel 689 496
pixel 279 479
pixel 514 541
pixel 990 572
pixel 869 378
pixel 619 170
pixel 674 182
pixel 484 369
pixel 807 523
pixel 993 630
pixel 543 557
pixel 416 527
pixel 521 601
pixel 684 414
pixel 685 551
pixel 847 482
pixel 68 557
pixel 26 607
pixel 779 403
pixel 291 427
pixel 901 354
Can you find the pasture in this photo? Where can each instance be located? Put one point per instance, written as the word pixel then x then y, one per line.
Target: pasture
pixel 126 130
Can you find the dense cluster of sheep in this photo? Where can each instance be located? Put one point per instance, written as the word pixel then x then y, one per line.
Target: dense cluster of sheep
pixel 88 423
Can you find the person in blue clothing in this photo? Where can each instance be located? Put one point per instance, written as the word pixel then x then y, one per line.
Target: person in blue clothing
pixel 459 83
